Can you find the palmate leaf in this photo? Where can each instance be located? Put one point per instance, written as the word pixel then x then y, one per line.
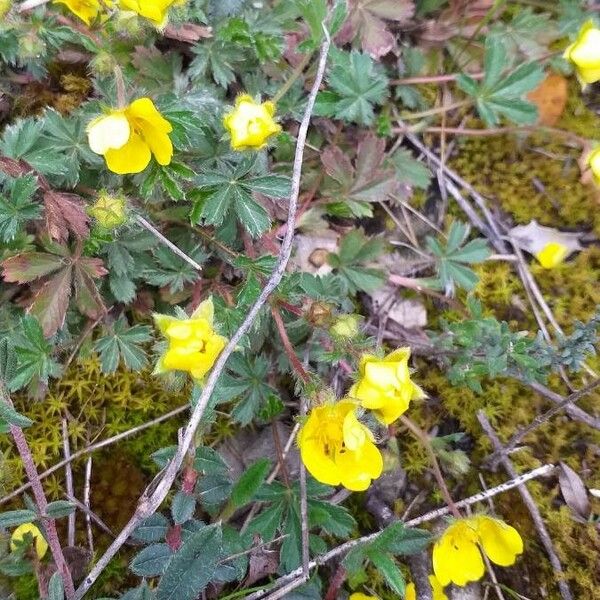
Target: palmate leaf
pixel 356 84
pixel 230 191
pixel 33 354
pixel 122 343
pixel 17 206
pixel 355 250
pixel 367 179
pixel 499 96
pixel 217 58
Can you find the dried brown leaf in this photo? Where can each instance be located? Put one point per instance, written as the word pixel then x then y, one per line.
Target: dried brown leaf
pixel 574 491
pixel 88 298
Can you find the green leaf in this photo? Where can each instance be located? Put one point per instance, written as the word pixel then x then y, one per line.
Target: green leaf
pixel 275 186
pixel 59 509
pixel 13 518
pixel 249 483
pixel 152 529
pixel 12 417
pixel 252 215
pixel 268 522
pixel 385 564
pixel 356 86
pixel 410 170
pixel 151 561
pixel 182 507
pixel 17 208
pixel 209 461
pixel 398 539
pixel 192 567
pixel 123 343
pixel 494 61
pixel 55 587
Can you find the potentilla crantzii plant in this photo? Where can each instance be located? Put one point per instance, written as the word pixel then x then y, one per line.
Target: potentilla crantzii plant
pixel 297 298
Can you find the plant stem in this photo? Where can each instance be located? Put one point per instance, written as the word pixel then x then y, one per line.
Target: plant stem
pixel 423 438
pixel 436 110
pixel 283 90
pixel 287 345
pixel 40 499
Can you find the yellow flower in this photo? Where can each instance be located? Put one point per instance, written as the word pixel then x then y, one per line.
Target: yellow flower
pixel 86 10
pixel 457 554
pixel 5 6
pixel 109 211
pixel 128 137
pixel 584 53
pixel 436 588
pixel 250 124
pixel 593 161
pixel 194 346
pixel 360 596
pixel 552 254
pixel 336 448
pixel 385 386
pixel 153 10
pixel 18 537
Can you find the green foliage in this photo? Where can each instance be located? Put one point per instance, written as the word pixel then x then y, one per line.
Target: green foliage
pixel 121 343
pixel 17 206
pixel 356 85
pixel 348 263
pixel 502 96
pixel 453 255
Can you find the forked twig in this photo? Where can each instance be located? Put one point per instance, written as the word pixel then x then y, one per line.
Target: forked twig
pixel 153 498
pixel 529 502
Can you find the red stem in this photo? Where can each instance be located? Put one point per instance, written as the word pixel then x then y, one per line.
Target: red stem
pixel 287 346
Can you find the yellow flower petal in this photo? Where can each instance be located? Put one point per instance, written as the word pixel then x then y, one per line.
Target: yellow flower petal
pixel 205 310
pixel 18 535
pixel 322 441
pixel 501 542
pixel 411 592
pixel 360 596
pixel 108 132
pixel 584 53
pixel 86 10
pixel 456 555
pixel 133 157
pixel 250 124
pixel 593 161
pixel 193 345
pixel 552 255
pixel 436 588
pixel 354 432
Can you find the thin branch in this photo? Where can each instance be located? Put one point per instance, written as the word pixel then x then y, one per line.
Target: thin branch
pixel 287 345
pixel 40 499
pixel 69 482
pixel 91 514
pixel 97 446
pixel 151 499
pixel 30 4
pixel 168 243
pixel 87 486
pixel 563 586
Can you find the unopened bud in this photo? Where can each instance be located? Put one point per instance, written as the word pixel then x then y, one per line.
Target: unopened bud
pixel 109 211
pixel 346 326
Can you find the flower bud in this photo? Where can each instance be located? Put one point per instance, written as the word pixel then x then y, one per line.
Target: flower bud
pixel 346 326
pixel 109 211
pixel 5 6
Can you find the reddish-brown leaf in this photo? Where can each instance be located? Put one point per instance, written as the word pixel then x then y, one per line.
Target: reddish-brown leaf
pixel 88 298
pixel 94 267
pixel 30 266
pixel 65 213
pixel 50 302
pixel 366 19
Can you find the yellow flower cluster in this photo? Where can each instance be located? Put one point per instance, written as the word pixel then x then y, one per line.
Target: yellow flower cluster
pixel 156 11
pixel 335 446
pixel 29 529
pixel 250 124
pixel 128 137
pixel 457 553
pixel 193 344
